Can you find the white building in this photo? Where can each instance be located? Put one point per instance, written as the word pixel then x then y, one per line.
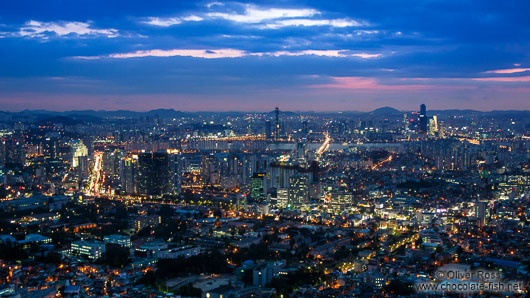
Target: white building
pixel 79 149
pixel 174 253
pixel 265 273
pixel 121 240
pixel 93 250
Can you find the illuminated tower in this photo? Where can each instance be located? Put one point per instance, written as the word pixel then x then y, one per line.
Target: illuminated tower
pixel 277 124
pixel 433 125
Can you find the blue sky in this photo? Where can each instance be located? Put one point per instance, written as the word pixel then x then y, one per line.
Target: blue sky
pixel 299 55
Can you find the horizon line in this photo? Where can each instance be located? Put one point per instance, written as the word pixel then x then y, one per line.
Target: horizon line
pixel 250 111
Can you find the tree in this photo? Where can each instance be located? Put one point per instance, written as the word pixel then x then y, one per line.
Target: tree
pixel 212 262
pixel 189 291
pixel 12 252
pixel 116 255
pixel 166 211
pixel 50 258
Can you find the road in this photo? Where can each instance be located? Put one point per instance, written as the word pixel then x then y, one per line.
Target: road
pixel 325 145
pixel 96 176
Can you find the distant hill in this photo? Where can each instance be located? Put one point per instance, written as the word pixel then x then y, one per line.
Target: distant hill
pixel 386 111
pixel 161 113
pixel 98 116
pixel 60 119
pixel 92 115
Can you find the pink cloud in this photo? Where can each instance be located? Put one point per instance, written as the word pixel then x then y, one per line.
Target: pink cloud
pixel 221 53
pixel 505 79
pixel 230 53
pixel 197 53
pixel 327 53
pixel 367 83
pixel 508 70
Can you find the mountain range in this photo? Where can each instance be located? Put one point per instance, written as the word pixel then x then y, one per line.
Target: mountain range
pixel 100 115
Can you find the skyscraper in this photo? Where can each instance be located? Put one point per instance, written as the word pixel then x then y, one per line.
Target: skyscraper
pixel 175 175
pixel 423 119
pixel 78 150
pixel 298 190
pixel 300 151
pixel 129 174
pixel 12 152
pixel 433 125
pixel 405 123
pixel 209 169
pixel 257 186
pixel 153 173
pixel 277 124
pixel 268 129
pixel 481 213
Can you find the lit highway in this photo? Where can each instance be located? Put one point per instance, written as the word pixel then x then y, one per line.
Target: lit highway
pixel 325 145
pixel 382 162
pixel 96 176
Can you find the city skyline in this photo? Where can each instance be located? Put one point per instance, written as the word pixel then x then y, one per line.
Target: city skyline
pixel 271 204
pixel 382 110
pixel 265 149
pixel 253 56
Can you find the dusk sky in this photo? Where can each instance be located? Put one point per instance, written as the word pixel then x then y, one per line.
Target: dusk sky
pixel 253 56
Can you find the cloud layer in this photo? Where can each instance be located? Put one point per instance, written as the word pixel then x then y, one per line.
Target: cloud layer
pixel 38 29
pixel 229 53
pixel 233 55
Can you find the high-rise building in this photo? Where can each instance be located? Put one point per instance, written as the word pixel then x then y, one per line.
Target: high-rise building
pixel 129 174
pixel 481 212
pixel 300 150
pixel 268 129
pixel 305 127
pixel 277 124
pixel 12 152
pixel 50 148
pixel 405 122
pixel 153 173
pixel 210 170
pixel 423 119
pixel 111 163
pixel 147 221
pixel 298 190
pixel 175 172
pixel 79 150
pixel 257 187
pixel 280 173
pixel 433 125
pixel 83 166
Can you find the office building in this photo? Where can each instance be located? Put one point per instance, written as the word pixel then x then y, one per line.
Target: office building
pixel 298 190
pixel 93 250
pixel 153 174
pixel 423 121
pixel 257 187
pixel 121 240
pixel 146 221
